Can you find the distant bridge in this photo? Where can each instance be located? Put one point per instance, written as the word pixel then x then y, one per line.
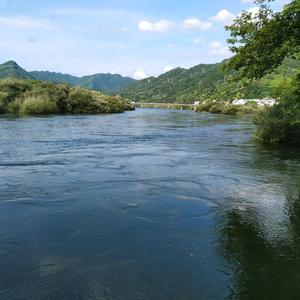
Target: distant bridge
pixel 177 106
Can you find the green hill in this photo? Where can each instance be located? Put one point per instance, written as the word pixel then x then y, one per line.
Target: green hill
pixel 12 69
pixel 107 83
pixel 54 77
pixel 207 82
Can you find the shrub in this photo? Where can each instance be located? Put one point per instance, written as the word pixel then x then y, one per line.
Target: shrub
pixel 204 107
pixel 230 109
pixel 31 97
pixel 216 109
pixel 247 110
pixel 37 105
pixel 281 123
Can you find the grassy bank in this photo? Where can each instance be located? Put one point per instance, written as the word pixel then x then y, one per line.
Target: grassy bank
pixel 209 106
pixel 227 108
pixel 29 97
pixel 164 106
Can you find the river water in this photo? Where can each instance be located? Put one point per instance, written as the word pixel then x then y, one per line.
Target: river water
pixel 151 204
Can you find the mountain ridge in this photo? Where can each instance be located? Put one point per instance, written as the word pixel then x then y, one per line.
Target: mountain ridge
pixel 209 82
pixel 200 82
pixel 104 82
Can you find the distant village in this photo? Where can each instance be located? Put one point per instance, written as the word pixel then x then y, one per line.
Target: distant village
pixel 259 102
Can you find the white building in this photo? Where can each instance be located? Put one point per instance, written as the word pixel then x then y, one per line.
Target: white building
pixel 239 102
pixel 260 102
pixel 266 102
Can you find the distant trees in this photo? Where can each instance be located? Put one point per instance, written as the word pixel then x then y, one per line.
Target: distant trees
pixel 209 82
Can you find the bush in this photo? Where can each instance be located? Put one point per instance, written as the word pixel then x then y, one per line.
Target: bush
pixel 35 97
pixel 216 109
pixel 230 109
pixel 204 107
pixel 281 123
pixel 81 101
pixel 37 105
pixel 247 110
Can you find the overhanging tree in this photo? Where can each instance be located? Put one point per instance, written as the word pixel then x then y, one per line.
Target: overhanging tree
pixel 261 41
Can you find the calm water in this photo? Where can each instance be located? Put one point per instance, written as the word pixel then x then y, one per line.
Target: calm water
pixel 149 204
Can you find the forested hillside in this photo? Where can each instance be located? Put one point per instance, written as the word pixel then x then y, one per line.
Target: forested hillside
pixel 107 83
pixel 210 81
pixel 12 69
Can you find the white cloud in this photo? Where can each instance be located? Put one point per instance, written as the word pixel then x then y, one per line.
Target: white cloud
pixel 168 68
pixel 254 11
pixel 246 1
pixel 160 26
pixel 217 49
pixel 216 45
pixel 141 74
pixel 198 41
pixel 23 22
pixel 194 23
pixel 224 16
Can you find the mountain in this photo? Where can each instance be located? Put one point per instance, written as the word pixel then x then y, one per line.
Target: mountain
pixel 54 77
pixel 207 82
pixel 12 69
pixel 107 83
pixel 202 82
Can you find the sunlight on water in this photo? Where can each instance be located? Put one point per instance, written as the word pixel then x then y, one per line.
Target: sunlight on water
pixel 149 204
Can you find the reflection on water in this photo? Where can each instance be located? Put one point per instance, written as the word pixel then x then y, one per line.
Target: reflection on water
pixel 146 205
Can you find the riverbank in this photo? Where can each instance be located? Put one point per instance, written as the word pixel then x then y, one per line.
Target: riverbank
pixel 211 107
pixel 30 97
pixel 177 106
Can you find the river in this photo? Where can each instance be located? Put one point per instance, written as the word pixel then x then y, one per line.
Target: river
pixel 151 204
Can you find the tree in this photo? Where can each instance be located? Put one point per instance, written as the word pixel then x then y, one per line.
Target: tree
pixel 261 42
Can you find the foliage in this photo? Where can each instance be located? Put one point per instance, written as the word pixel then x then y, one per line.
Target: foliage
pixel 30 97
pixel 208 82
pixel 107 83
pixel 261 43
pixel 281 123
pixel 37 105
pixel 11 69
pixel 226 108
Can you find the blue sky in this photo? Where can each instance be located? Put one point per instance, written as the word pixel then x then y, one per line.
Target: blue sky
pixel 135 38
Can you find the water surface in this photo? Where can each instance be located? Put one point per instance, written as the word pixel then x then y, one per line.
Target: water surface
pixel 152 204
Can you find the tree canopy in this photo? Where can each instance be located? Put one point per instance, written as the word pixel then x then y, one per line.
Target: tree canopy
pixel 262 40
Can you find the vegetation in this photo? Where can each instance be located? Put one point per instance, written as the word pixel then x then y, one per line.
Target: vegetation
pixel 227 108
pixel 209 82
pixel 281 124
pixel 262 43
pixel 107 83
pixel 165 106
pixel 11 69
pixel 30 97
